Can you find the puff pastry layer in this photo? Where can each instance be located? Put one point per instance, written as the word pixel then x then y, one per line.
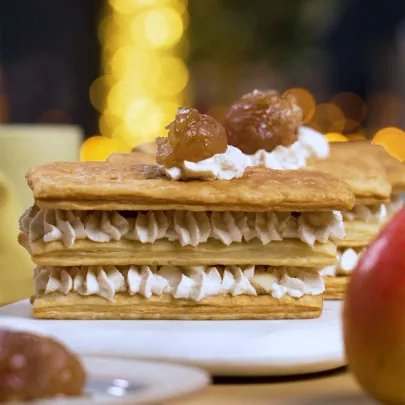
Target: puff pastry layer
pixel 394 169
pixel 108 186
pixel 359 233
pixel 74 306
pixel 366 176
pixel 335 287
pixel 289 252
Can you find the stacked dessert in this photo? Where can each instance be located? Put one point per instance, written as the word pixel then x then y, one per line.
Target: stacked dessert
pixel 367 179
pixel 228 241
pixel 394 169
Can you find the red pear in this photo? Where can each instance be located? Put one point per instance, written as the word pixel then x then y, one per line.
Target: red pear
pixel 374 316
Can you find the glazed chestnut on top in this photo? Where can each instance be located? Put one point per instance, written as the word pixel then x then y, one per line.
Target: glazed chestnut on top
pixel 192 136
pixel 263 120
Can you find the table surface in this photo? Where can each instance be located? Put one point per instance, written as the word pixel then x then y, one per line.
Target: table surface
pixel 335 388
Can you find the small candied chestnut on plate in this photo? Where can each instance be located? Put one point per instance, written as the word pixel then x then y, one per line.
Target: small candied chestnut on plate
pixel 34 367
pixel 263 120
pixel 192 136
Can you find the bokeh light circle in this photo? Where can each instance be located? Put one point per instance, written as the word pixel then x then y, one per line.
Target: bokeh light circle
pixel 328 117
pixel 144 117
pixel 355 137
pixel 163 27
pixel 305 100
pixel 178 72
pixel 98 148
pixel 98 92
pixel 353 108
pixel 335 137
pixel 393 140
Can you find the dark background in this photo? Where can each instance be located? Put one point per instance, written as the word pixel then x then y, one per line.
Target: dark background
pixel 50 54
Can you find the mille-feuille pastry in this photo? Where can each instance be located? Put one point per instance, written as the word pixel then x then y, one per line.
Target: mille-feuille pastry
pixel 395 171
pixel 367 179
pixel 129 242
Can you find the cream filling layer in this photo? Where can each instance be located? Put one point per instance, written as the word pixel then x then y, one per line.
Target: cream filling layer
pixel 189 228
pixel 310 144
pixel 346 262
pixel 233 163
pixel 374 213
pixel 367 213
pixel 222 166
pixel 191 283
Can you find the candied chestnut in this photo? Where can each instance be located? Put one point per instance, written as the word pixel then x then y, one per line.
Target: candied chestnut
pixel 33 367
pixel 263 120
pixel 192 136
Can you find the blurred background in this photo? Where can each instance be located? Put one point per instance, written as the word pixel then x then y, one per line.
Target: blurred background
pixel 117 70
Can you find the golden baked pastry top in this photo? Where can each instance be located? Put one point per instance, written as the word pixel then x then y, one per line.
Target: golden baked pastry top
pixel 360 170
pixel 73 306
pixel 394 168
pixel 103 185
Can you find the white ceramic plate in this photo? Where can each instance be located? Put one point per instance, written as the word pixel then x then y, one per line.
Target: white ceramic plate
pixel 231 348
pixel 121 382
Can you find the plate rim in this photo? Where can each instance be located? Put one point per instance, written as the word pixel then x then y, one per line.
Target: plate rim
pixel 328 359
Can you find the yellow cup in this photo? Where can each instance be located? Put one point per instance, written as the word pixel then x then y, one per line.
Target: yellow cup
pixel 29 145
pixel 23 147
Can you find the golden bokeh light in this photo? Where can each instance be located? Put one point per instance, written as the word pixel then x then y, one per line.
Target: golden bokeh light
pixel 107 123
pixel 179 80
pixel 123 6
pixel 353 108
pixel 98 92
pixel 163 27
pixel 355 137
pixel 335 137
pixel 306 101
pixel 144 117
pixel 144 77
pixel 327 118
pixel 393 140
pixel 131 6
pixel 98 148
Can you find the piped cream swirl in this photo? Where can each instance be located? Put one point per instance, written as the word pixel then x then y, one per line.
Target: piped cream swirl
pixel 368 213
pixel 310 144
pixel 346 262
pixel 233 163
pixel 191 283
pixel 186 227
pixel 223 166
